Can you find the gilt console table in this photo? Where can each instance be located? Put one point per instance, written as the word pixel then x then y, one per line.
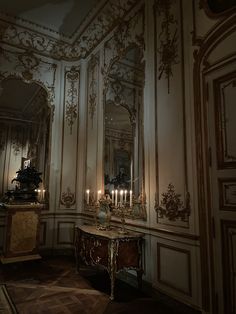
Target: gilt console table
pixel 110 249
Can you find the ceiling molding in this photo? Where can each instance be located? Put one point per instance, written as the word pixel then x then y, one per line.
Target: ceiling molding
pixel 49 43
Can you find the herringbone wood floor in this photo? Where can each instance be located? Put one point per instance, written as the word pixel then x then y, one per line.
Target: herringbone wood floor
pixel 52 286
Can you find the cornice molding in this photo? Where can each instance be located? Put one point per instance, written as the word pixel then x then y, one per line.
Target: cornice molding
pixel 59 47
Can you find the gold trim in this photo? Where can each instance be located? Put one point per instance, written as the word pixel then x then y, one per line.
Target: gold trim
pixel 107 19
pixel 203 184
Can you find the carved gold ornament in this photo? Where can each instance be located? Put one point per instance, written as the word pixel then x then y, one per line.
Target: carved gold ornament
pixel 72 94
pixel 172 207
pixel 68 198
pixel 168 39
pixel 93 68
pixel 70 48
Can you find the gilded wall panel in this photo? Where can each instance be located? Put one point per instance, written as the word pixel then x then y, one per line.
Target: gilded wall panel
pixel 93 87
pixel 70 139
pixel 224 94
pixel 172 196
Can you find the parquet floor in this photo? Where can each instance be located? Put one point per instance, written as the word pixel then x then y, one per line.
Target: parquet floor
pixel 52 286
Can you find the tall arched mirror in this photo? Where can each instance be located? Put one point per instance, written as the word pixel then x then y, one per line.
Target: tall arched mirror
pixel 123 130
pixel 24 133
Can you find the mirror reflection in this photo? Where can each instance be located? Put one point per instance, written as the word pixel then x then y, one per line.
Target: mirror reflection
pixel 123 149
pixel 24 133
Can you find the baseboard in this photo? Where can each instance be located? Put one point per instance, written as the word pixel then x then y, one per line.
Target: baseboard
pixel 151 291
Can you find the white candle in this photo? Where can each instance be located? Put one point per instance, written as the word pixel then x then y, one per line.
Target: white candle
pixel 112 196
pixel 116 192
pixel 87 198
pixel 130 198
pixel 43 195
pixel 125 195
pixel 99 194
pixel 121 197
pixel 39 195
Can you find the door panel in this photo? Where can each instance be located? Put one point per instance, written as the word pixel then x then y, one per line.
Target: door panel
pixel 221 109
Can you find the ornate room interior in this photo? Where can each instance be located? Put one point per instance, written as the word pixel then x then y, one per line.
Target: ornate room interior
pixel 118 150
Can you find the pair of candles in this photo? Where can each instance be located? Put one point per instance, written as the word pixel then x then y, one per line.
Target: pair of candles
pixel 98 195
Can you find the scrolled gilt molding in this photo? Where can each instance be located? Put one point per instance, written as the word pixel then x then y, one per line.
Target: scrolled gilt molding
pixel 93 72
pixel 128 33
pixel 172 207
pixel 29 67
pixel 81 44
pixel 72 96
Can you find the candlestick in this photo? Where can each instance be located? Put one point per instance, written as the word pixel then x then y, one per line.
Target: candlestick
pixel 39 195
pixel 116 192
pixel 130 198
pixel 112 196
pixel 87 198
pixel 43 195
pixel 99 194
pixel 121 197
pixel 125 195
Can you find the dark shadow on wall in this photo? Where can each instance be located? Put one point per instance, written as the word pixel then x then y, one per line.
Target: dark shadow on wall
pixel 72 12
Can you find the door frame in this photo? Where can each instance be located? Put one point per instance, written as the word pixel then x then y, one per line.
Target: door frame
pixel 203 157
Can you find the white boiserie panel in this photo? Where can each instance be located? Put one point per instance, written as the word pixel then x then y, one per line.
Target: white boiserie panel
pixel 70 139
pixel 92 124
pixel 65 232
pixel 174 268
pixel 170 118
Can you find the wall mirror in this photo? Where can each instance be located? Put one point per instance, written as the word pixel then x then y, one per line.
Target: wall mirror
pixel 24 133
pixel 123 135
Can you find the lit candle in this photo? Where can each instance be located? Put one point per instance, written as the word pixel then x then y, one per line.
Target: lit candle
pixel 43 194
pixel 87 198
pixel 116 192
pixel 39 195
pixel 112 196
pixel 130 198
pixel 99 194
pixel 125 195
pixel 121 197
